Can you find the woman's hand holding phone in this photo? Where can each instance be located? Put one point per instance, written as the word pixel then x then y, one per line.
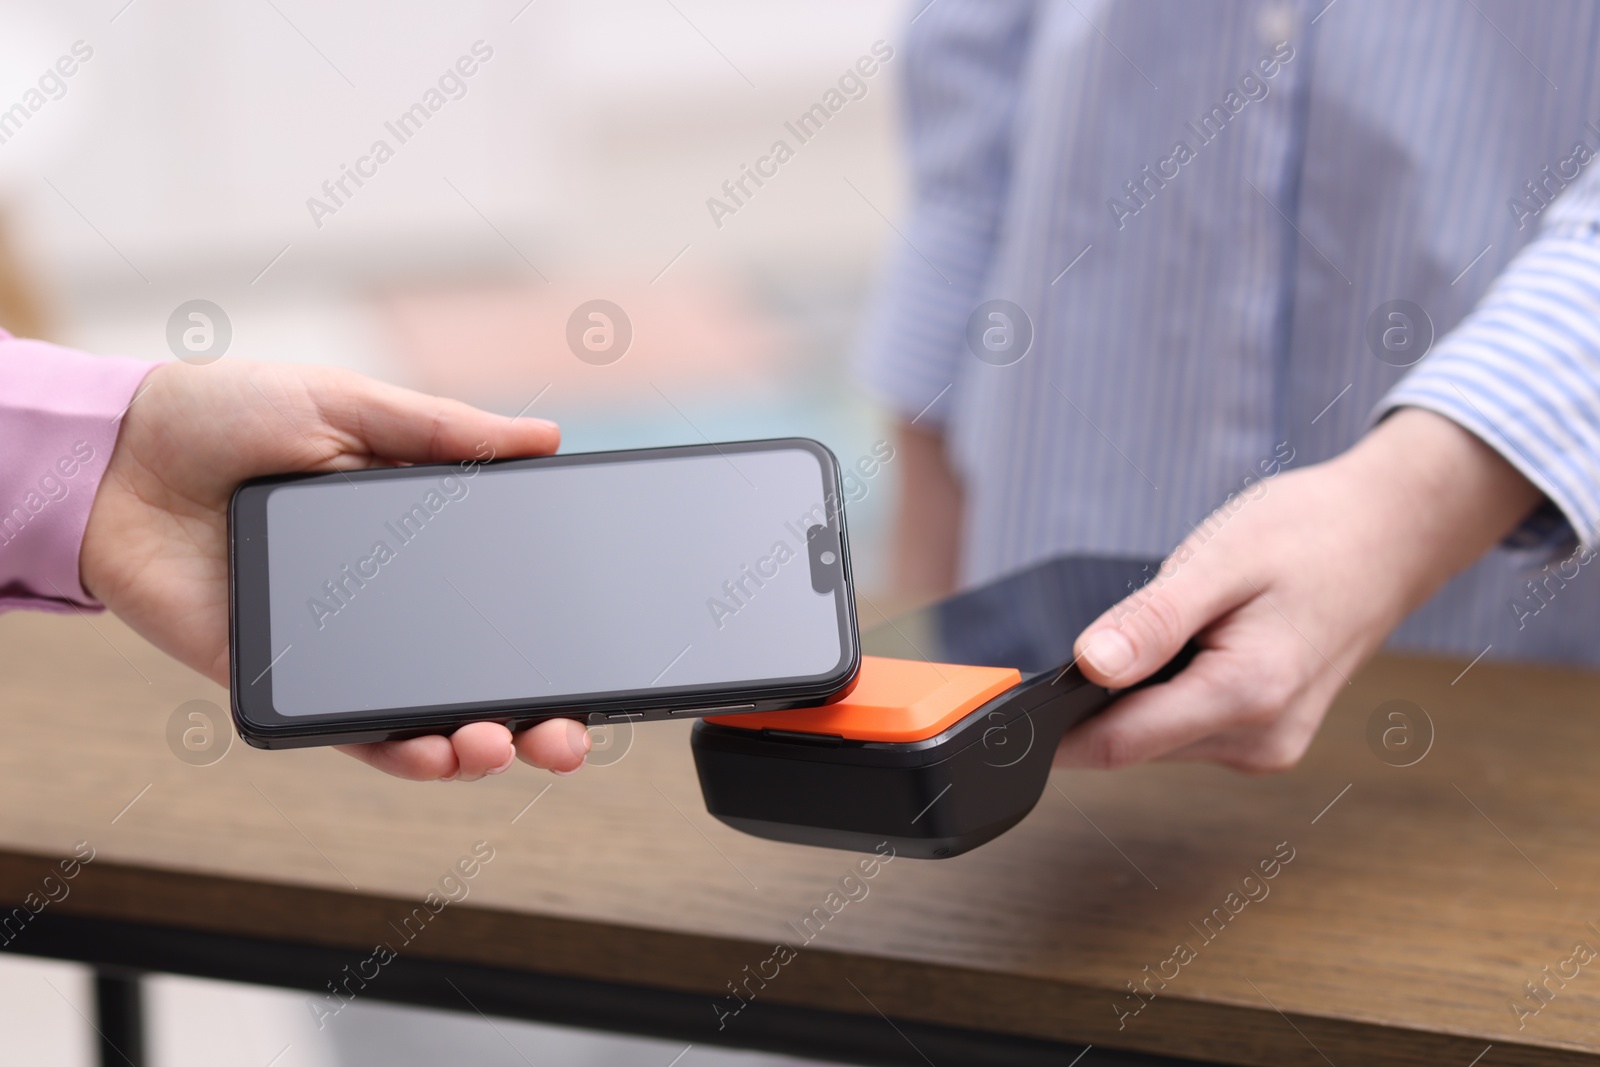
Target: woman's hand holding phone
pixel 156 547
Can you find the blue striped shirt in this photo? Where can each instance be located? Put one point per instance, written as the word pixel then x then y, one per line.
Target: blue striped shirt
pixel 1234 227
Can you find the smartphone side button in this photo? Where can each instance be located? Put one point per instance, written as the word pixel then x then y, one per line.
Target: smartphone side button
pixel 720 710
pixel 625 716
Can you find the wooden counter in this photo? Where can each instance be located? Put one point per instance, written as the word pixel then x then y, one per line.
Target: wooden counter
pixel 1418 901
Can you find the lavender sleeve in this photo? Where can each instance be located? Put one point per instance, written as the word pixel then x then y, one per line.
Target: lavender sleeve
pixel 60 411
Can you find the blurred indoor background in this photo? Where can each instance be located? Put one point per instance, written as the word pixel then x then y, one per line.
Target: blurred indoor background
pixel 575 163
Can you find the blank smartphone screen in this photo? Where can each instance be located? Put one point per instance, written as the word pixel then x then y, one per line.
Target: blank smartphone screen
pixel 552 581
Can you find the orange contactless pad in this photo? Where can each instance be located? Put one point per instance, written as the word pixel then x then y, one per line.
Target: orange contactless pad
pixel 893 700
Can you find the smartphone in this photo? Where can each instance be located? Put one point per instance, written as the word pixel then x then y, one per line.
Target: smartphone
pixel 618 586
pixel 1027 619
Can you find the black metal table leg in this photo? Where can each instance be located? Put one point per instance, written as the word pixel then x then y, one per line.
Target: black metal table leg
pixel 119 1016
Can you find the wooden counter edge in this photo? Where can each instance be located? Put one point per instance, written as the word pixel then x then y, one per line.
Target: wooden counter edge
pixel 938 994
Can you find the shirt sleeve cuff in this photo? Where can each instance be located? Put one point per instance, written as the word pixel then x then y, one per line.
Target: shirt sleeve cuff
pixel 1522 372
pixel 60 411
pixel 913 343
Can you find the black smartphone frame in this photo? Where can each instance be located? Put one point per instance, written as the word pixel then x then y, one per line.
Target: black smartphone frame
pixel 250 630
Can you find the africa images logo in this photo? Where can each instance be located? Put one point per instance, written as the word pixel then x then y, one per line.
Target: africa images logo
pixel 852 85
pixel 1251 88
pixel 342 588
pixel 450 85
